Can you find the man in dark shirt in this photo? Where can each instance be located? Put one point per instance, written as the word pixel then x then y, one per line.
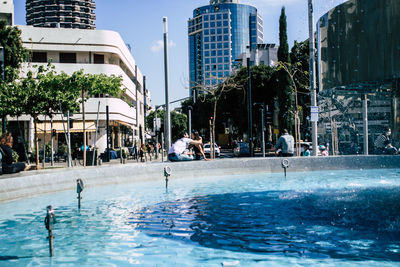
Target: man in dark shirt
pixel 383 144
pixel 8 163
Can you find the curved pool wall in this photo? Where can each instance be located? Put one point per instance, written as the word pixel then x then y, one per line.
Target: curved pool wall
pixel 29 184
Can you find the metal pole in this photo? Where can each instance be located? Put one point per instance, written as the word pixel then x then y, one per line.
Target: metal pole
pixel 156 131
pixel 365 123
pixel 108 134
pixel 120 147
pixel 190 120
pixel 262 131
pixel 4 126
pixel 312 74
pixel 83 128
pixel 249 105
pixel 162 147
pixel 52 143
pixel 69 142
pixel 95 134
pixel 44 143
pixel 167 123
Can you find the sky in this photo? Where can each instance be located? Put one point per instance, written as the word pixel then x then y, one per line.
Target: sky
pixel 140 25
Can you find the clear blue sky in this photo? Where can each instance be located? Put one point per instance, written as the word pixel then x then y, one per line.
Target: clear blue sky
pixel 140 25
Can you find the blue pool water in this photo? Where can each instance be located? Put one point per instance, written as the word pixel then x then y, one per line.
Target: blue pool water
pixel 319 218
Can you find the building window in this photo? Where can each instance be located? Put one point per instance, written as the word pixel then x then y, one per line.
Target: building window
pixel 98 59
pixel 67 57
pixel 40 57
pixel 219 16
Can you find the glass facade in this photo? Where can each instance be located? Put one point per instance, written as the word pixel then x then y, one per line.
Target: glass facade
pixel 218 34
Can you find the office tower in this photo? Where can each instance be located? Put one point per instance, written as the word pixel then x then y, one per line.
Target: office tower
pixel 218 34
pixel 78 14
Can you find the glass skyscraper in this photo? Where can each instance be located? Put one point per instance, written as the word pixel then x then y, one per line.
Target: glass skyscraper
pixel 218 34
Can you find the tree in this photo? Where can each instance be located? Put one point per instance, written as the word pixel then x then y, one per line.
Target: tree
pixel 292 71
pixel 93 84
pixel 178 122
pixel 299 57
pixel 14 55
pixel 44 92
pixel 213 94
pixel 283 79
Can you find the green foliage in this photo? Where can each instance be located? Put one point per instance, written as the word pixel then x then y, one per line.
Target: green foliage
pixel 285 94
pixel 178 122
pixel 283 50
pixel 14 52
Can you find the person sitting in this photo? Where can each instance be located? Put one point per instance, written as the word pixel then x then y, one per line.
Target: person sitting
pixel 383 144
pixel 286 144
pixel 324 151
pixel 198 149
pixel 177 151
pixel 8 161
pixel 306 152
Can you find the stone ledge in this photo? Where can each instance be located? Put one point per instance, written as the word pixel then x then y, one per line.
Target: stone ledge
pixel 32 183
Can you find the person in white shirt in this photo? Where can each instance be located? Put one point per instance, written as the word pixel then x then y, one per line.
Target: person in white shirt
pixel 177 151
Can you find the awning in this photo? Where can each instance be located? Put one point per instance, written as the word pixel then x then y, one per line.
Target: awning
pixel 58 126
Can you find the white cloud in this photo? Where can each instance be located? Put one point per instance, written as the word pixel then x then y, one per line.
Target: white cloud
pixel 158 45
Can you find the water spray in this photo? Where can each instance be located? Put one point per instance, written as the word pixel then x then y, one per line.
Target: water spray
pixel 49 222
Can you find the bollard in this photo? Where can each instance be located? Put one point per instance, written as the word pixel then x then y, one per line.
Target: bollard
pixel 285 165
pixel 79 189
pixel 49 222
pixel 167 173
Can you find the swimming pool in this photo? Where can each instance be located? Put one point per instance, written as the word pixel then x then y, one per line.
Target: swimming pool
pixel 333 217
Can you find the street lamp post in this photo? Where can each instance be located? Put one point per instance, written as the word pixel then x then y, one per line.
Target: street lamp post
pixel 167 125
pixel 262 128
pixel 249 106
pixel 314 119
pixel 108 156
pixel 3 80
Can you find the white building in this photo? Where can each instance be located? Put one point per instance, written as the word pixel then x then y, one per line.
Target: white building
pixel 263 54
pixel 96 52
pixel 7 11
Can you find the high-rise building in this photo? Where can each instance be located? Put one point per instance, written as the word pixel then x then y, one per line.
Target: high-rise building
pixel 7 11
pixel 78 14
pixel 218 34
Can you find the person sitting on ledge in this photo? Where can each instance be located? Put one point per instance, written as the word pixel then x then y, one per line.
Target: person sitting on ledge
pixel 383 144
pixel 286 144
pixel 177 151
pixel 8 162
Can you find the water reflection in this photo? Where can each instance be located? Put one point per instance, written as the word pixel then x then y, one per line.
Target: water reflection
pixel 352 224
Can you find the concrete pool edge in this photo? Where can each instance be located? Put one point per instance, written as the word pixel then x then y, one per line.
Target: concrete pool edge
pixel 29 184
